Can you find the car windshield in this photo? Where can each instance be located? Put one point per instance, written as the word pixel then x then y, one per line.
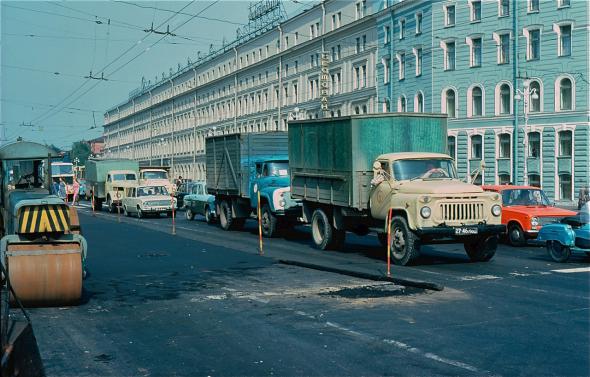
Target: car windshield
pixel 276 169
pixel 524 197
pixel 124 177
pixel 66 169
pixel 423 168
pixel 155 175
pixel 151 190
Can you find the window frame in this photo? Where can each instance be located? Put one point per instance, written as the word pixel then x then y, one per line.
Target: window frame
pixel 558 93
pixel 472 13
pixel 447 14
pixel 471 146
pixel 560 138
pixel 501 8
pixel 504 140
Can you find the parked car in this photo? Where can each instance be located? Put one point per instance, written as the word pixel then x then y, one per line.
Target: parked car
pixel 526 209
pixel 144 200
pixel 570 236
pixel 183 190
pixel 198 202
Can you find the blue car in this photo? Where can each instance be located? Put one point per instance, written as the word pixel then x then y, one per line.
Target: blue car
pixel 198 202
pixel 570 236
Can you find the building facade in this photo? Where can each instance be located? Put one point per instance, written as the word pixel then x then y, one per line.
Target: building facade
pixel 512 76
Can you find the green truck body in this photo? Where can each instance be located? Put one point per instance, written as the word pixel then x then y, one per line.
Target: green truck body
pixel 331 160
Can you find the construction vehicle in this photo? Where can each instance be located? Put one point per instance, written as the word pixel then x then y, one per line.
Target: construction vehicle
pixel 41 247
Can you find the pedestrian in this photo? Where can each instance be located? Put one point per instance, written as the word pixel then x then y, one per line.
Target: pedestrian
pixel 76 189
pixel 55 187
pixel 178 182
pixel 62 189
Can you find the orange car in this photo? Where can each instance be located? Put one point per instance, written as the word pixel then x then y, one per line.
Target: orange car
pixel 525 209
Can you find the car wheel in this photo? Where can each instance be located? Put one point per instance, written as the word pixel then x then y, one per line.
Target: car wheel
pixel 481 249
pixel 268 221
pixel 189 214
pixel 140 214
pixel 516 235
pixel 405 245
pixel 558 252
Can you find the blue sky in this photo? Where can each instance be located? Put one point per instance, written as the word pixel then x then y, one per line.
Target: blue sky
pixel 48 48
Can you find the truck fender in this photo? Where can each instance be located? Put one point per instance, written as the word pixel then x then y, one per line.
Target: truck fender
pixel 306 212
pixel 399 212
pixel 266 197
pixel 563 233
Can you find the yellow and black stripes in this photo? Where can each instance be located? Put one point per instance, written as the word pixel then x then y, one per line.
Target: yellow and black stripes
pixel 44 219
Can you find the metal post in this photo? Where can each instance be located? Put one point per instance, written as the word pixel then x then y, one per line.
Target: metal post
pixel 525 109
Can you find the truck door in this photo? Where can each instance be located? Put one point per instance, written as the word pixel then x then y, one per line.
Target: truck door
pixel 381 192
pixel 254 183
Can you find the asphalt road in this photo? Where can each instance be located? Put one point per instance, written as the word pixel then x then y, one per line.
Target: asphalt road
pixel 203 302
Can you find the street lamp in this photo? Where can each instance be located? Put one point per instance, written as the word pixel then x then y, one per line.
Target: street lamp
pixel 162 143
pixel 525 95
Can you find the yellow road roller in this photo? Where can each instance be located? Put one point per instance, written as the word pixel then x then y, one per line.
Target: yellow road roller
pixel 41 246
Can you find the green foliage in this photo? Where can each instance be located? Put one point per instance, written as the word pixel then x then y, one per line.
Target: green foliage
pixel 80 150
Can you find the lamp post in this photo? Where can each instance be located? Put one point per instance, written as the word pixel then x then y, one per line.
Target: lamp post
pixel 162 143
pixel 526 94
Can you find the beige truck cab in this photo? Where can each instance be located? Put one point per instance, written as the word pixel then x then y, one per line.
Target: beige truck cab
pixel 116 185
pixel 428 203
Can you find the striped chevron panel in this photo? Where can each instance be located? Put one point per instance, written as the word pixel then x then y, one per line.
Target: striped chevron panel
pixel 44 219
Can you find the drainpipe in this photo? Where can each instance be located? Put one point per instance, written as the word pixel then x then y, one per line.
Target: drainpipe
pixel 195 128
pixel 280 96
pixel 151 131
pixel 515 85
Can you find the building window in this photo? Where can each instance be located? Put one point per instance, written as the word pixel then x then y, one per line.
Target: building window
pixel 476 101
pixel 565 94
pixel 565 187
pixel 504 8
pixel 504 97
pixel 386 70
pixel 418 23
pixel 564 3
pixel 418 53
pixel 451 145
pixel 364 43
pixel 449 63
pixel 419 103
pixel 475 11
pixel 534 141
pixel 504 49
pixel 401 104
pixel 565 40
pixel 535 100
pixel 476 147
pixel 386 105
pixel 503 179
pixel 450 103
pixel 504 146
pixel 358 45
pixel 360 9
pixel 356 77
pixel 534 45
pixel 535 180
pixel 387 35
pixel 401 61
pixel 402 28
pixel 533 5
pixel 476 52
pixel 450 15
pixel 364 76
pixel 565 143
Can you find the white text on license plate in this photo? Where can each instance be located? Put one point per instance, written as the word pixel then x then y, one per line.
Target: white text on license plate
pixel 465 231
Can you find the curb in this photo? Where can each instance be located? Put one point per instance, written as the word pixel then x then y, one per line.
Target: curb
pixel 364 275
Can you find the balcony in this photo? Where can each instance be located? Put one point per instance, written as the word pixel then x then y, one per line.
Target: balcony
pixel 564 165
pixel 503 165
pixel 533 165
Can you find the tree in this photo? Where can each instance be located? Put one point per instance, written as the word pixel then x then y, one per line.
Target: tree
pixel 81 151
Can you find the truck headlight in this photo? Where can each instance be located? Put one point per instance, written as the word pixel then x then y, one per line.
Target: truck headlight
pixel 534 222
pixel 496 210
pixel 425 212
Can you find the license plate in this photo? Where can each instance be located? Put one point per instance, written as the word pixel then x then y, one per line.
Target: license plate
pixel 465 231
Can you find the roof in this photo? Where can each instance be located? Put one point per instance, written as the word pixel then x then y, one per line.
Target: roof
pixel 412 155
pixel 26 150
pixel 508 187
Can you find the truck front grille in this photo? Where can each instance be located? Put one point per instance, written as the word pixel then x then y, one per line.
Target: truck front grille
pixel 470 211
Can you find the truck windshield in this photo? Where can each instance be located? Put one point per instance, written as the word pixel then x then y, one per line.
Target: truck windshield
pixel 155 175
pixel 276 169
pixel 124 177
pixel 524 197
pixel 424 169
pixel 152 190
pixel 61 170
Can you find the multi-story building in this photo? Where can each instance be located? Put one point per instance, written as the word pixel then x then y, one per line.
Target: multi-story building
pixel 251 86
pixel 511 74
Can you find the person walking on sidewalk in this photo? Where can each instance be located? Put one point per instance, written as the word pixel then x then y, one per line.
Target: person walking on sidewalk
pixel 76 195
pixel 62 189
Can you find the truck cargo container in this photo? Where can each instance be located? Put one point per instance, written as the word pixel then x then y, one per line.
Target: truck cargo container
pixel 241 165
pixel 107 179
pixel 350 171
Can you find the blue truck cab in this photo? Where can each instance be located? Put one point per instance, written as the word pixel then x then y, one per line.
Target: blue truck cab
pixel 242 166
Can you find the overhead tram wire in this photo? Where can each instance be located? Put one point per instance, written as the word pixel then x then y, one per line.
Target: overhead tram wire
pixel 49 113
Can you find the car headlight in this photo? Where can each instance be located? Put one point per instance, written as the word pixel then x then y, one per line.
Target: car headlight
pixel 496 210
pixel 425 212
pixel 534 222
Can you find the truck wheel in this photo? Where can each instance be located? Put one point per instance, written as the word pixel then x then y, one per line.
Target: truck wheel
pixel 516 235
pixel 558 252
pixel 482 249
pixel 321 230
pixel 110 207
pixel 209 219
pixel 405 245
pixel 268 221
pixel 225 216
pixel 189 214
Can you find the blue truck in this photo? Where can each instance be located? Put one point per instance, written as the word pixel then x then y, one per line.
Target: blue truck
pixel 241 166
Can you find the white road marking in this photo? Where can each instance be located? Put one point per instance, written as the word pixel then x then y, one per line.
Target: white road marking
pixel 479 277
pixel 572 270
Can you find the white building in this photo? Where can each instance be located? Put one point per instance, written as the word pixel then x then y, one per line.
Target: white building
pixel 250 87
